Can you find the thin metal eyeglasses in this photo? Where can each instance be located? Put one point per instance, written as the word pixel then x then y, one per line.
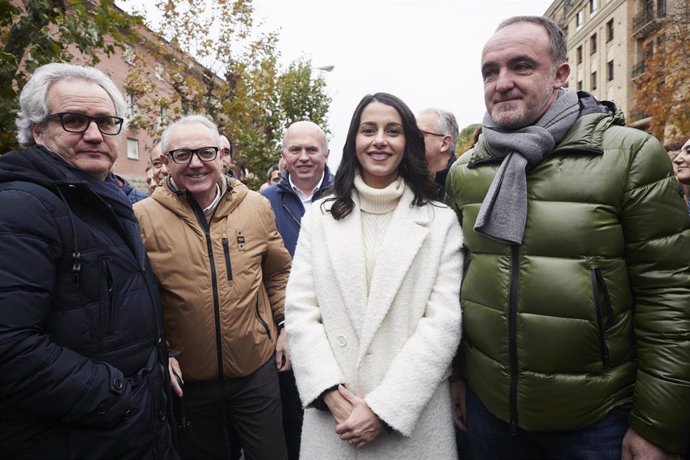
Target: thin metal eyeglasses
pixel 184 156
pixel 433 134
pixel 79 123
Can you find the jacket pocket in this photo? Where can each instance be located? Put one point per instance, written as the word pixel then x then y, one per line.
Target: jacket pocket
pixel 262 321
pixel 226 254
pixel 603 310
pixel 107 299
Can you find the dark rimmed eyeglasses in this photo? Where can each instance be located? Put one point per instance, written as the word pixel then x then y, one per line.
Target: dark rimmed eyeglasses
pixel 79 123
pixel 184 156
pixel 433 134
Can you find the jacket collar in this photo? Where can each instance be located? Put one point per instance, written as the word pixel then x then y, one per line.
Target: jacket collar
pixel 39 165
pixel 326 184
pixel 232 193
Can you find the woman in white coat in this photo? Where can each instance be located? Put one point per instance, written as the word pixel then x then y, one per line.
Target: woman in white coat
pixel 372 304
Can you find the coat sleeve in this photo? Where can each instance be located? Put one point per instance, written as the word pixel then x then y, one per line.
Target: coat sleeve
pixel 657 236
pixel 276 262
pixel 36 374
pixel 313 362
pixel 423 362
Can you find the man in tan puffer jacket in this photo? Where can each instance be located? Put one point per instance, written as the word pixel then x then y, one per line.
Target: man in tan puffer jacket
pixel 222 270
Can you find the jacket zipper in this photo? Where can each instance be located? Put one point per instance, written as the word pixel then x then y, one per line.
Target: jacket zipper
pixel 599 287
pixel 291 215
pixel 512 333
pixel 226 252
pixel 206 227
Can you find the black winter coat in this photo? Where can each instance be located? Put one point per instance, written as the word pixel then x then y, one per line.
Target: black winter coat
pixel 82 353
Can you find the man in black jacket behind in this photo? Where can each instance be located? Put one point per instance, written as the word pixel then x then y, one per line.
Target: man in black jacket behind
pixel 82 353
pixel 440 131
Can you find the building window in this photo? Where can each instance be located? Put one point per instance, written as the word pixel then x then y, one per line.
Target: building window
pixel 609 71
pixel 648 6
pixel 593 44
pixel 128 54
pixel 579 54
pixel 580 19
pixel 131 106
pixel 159 71
pixel 133 149
pixel 594 80
pixel 609 31
pixel 162 116
pixel 593 7
pixel 579 85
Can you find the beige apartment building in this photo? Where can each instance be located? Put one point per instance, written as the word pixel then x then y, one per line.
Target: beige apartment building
pixel 608 41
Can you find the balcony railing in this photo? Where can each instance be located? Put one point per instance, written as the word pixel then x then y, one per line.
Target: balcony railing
pixel 637 70
pixel 648 19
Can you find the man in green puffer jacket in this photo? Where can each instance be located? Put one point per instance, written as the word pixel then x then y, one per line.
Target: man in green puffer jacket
pixel 576 294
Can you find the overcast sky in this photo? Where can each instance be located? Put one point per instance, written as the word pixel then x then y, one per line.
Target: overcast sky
pixel 426 52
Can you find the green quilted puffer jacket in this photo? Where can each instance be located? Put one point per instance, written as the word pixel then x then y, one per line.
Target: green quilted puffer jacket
pixel 592 311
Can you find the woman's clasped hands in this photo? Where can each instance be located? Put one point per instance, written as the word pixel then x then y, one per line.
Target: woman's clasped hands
pixel 359 425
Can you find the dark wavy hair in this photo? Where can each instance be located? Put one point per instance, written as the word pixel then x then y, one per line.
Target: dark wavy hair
pixel 412 168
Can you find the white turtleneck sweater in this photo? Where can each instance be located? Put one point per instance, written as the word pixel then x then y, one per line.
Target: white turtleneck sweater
pixel 377 206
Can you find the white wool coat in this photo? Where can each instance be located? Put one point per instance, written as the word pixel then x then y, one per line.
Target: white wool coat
pixel 392 347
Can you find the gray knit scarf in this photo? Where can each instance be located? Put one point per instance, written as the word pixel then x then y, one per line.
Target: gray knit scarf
pixel 503 213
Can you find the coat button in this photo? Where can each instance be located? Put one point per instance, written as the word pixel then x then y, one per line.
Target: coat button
pixel 117 384
pixel 128 414
pixel 342 341
pixel 102 409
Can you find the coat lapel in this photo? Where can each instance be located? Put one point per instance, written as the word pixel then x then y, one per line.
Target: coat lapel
pixel 346 251
pixel 405 235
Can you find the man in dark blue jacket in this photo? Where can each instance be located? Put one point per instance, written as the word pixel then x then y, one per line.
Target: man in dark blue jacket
pixel 307 178
pixel 132 193
pixel 83 363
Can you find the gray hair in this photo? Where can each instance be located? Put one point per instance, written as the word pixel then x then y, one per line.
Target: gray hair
pixel 189 120
pixel 33 100
pixel 559 47
pixel 447 124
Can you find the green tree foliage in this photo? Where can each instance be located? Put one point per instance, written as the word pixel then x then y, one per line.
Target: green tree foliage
pixel 252 106
pixel 303 96
pixel 663 91
pixel 37 32
pixel 264 101
pixel 466 138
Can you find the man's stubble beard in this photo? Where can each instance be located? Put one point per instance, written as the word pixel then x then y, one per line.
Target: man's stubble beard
pixel 529 116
